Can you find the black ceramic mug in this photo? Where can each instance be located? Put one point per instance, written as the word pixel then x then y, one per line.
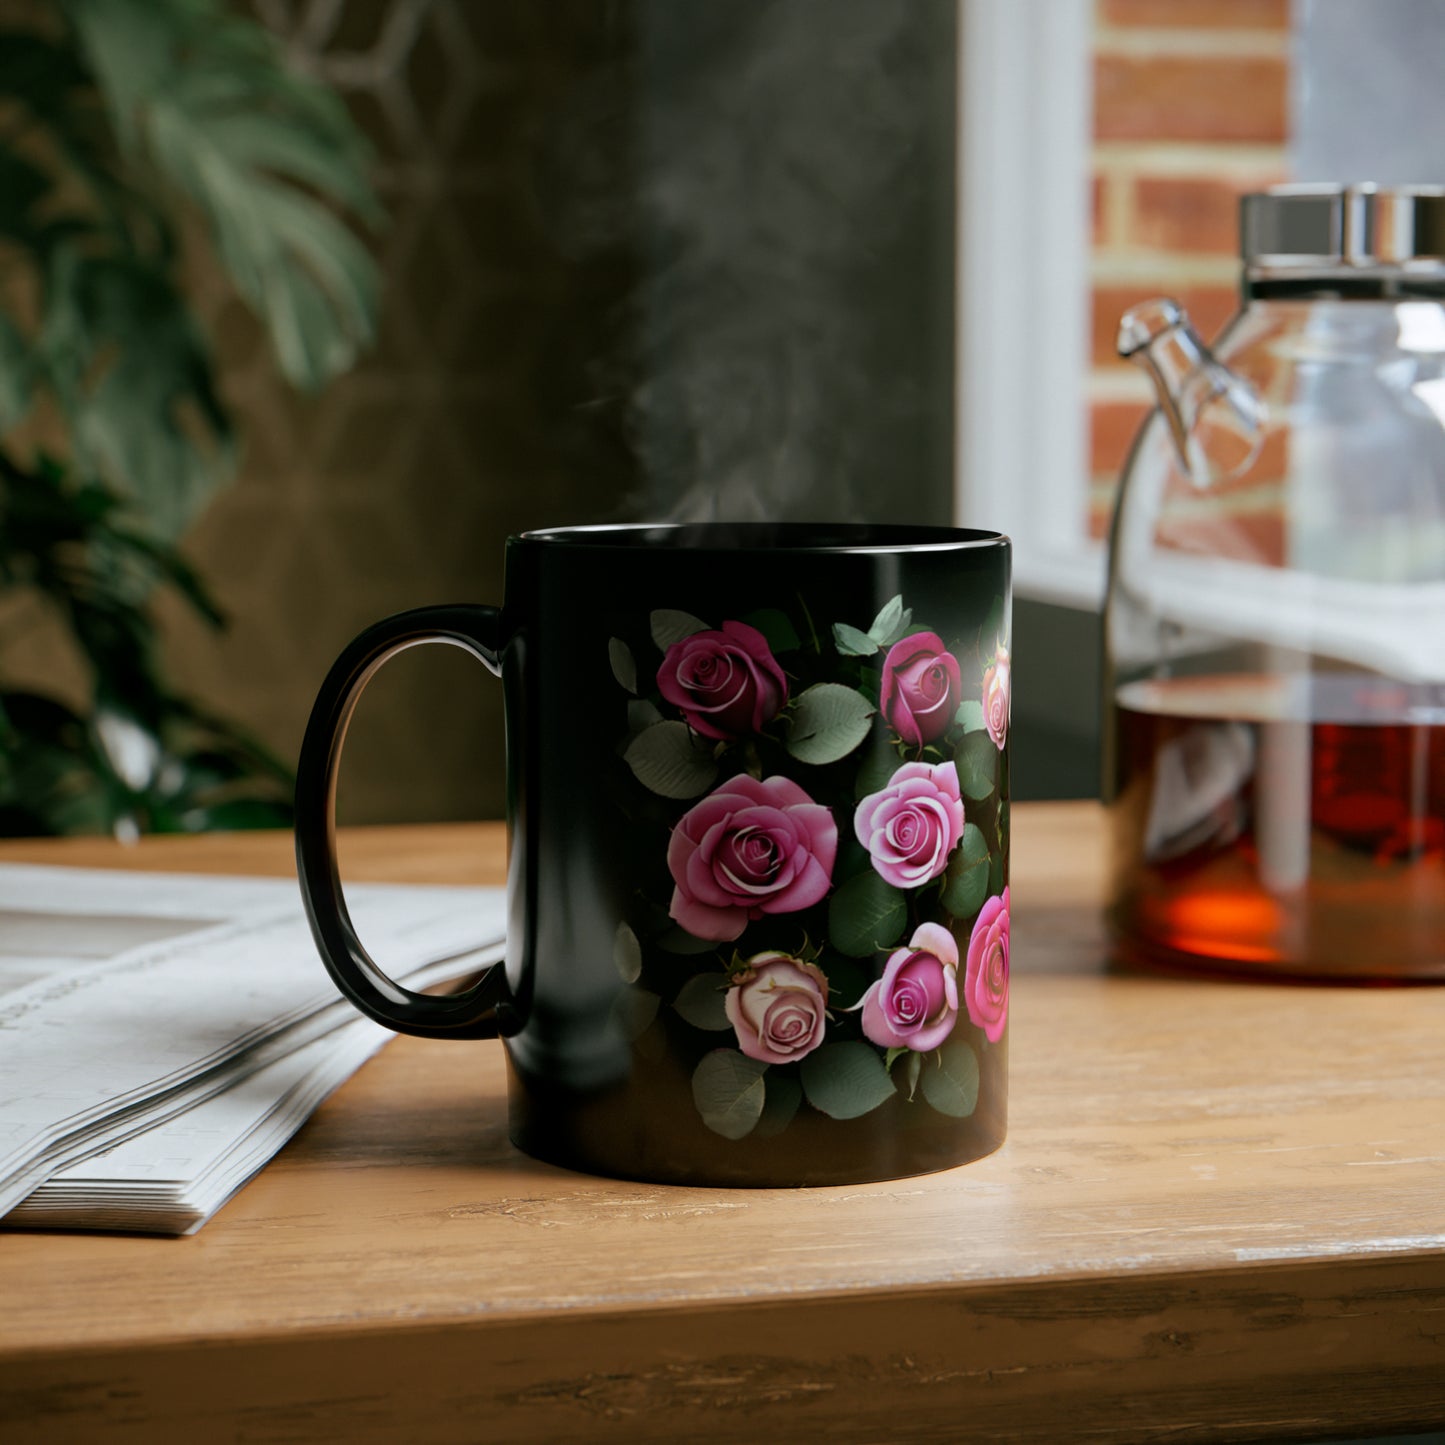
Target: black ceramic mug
pixel 759 831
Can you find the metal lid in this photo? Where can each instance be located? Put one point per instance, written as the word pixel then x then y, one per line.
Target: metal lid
pixel 1330 227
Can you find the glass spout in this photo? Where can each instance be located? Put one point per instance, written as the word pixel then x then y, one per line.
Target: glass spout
pixel 1216 419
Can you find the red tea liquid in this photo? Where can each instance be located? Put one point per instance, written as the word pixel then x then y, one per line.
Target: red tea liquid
pixel 1282 825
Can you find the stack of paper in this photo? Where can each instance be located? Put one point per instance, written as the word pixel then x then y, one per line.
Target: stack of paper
pixel 161 1035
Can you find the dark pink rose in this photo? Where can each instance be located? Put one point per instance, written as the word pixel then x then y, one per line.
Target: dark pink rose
pixel 915 1004
pixel 726 683
pixel 996 697
pixel 778 1008
pixel 985 976
pixel 911 827
pixel 747 849
pixel 921 687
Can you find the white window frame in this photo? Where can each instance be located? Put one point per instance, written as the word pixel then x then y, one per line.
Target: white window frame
pixel 1025 136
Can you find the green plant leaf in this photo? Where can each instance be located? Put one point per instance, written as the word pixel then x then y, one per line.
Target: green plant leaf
pixel 966 882
pixel 977 760
pixel 634 1009
pixel 667 759
pixel 624 668
pixel 680 941
pixel 970 715
pixel 728 1089
pixel 852 643
pixel 993 630
pixel 996 874
pixel 891 623
pixel 784 1096
pixel 866 914
pixel 670 626
pixel 627 953
pixel 777 629
pixel 702 1001
pixel 641 715
pixel 846 1080
pixel 829 721
pixel 911 1073
pixel 875 774
pixel 950 1083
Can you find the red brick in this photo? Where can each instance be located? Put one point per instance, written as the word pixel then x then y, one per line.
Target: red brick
pixel 1190 213
pixel 1198 14
pixel 1112 427
pixel 1209 307
pixel 1190 98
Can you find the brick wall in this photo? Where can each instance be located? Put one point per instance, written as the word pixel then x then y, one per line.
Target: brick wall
pixel 1190 110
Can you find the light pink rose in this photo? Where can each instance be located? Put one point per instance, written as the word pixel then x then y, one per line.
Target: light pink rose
pixel 996 697
pixel 921 686
pixel 778 1008
pixel 727 683
pixel 985 976
pixel 915 1004
pixel 911 827
pixel 750 847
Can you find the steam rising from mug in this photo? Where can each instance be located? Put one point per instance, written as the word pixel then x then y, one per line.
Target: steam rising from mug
pixel 775 178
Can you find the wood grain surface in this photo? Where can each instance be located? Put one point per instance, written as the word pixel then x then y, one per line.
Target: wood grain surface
pixel 1220 1214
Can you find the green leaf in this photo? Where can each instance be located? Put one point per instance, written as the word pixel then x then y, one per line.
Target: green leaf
pixel 634 1009
pixel 970 715
pixel 829 721
pixel 669 760
pixel 785 1093
pixel 624 668
pixel 993 630
pixel 915 1067
pixel 866 914
pixel 669 627
pixel 627 954
pixel 875 774
pixel 641 715
pixel 852 643
pixel 702 1001
pixel 996 874
pixel 679 940
pixel 778 631
pixel 846 1080
pixel 891 623
pixel 950 1083
pixel 977 760
pixel 966 884
pixel 728 1089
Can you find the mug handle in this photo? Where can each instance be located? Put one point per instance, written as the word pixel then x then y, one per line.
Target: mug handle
pixel 471 1014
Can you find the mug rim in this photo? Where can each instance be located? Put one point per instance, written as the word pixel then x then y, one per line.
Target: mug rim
pixel 773 537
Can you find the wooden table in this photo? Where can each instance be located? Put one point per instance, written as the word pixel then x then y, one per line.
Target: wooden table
pixel 1220 1214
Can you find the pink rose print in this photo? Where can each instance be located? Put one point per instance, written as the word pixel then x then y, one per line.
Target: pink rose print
pixel 996 697
pixel 778 1008
pixel 985 978
pixel 915 1004
pixel 911 827
pixel 750 847
pixel 921 686
pixel 726 683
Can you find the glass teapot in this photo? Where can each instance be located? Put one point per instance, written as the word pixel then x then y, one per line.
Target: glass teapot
pixel 1275 623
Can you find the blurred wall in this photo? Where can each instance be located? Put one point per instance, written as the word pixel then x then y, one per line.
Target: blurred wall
pixel 645 258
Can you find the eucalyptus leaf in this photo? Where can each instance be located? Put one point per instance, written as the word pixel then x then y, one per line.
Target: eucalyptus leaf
pixel 669 626
pixel 784 1096
pixel 702 1001
pixel 627 953
pixel 966 884
pixel 866 914
pixel 667 759
pixel 624 667
pixel 950 1082
pixel 829 721
pixel 846 1080
pixel 970 715
pixel 977 760
pixel 728 1089
pixel 850 642
pixel 777 629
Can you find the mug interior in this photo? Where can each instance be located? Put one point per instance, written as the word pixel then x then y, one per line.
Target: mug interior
pixel 768 536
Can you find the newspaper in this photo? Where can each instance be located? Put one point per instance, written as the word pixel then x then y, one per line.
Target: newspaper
pixel 162 1035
